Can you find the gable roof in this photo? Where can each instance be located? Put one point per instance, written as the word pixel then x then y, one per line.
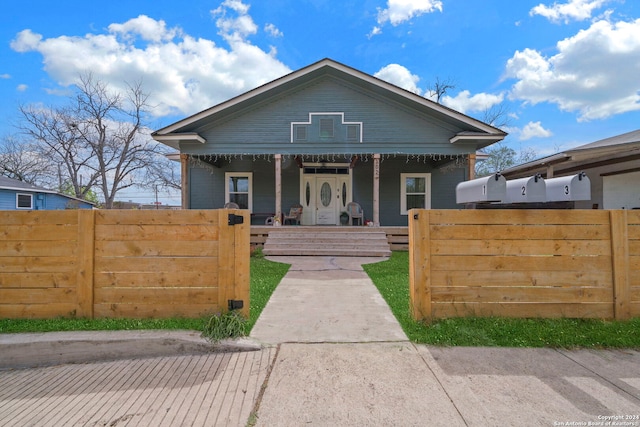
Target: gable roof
pixel 615 149
pixel 184 130
pixel 16 185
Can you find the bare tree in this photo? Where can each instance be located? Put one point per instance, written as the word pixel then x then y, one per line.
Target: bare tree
pixel 440 87
pixel 23 161
pixel 99 138
pixel 497 115
pixel 501 157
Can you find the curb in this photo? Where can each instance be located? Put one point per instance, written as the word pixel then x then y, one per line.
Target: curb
pixel 54 348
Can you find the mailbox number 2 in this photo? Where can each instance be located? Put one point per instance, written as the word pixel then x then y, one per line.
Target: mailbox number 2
pixel 524 190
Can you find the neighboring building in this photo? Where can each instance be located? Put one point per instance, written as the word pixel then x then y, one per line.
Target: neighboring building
pixel 324 136
pixel 18 195
pixel 612 165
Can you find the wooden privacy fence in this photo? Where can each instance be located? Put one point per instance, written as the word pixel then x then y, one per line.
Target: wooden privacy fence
pixel 524 263
pixel 122 263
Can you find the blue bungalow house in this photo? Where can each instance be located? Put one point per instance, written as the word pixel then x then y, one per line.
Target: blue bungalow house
pixel 324 136
pixel 21 196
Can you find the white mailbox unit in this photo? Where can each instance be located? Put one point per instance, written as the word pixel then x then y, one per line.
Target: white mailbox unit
pixel 492 188
pixel 526 190
pixel 569 188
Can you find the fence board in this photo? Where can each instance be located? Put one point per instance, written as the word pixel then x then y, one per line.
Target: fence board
pixel 167 264
pixel 521 263
pixel 157 295
pixel 176 279
pixel 41 280
pixel 524 310
pixel 521 294
pixel 157 248
pixel 522 278
pixel 520 232
pixel 55 232
pixel 31 264
pixel 37 248
pixel 38 217
pixel 518 216
pixel 521 247
pixel 140 311
pixel 158 217
pixel 39 296
pixel 49 310
pixel 156 232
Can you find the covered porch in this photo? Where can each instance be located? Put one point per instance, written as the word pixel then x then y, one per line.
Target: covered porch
pixel 384 185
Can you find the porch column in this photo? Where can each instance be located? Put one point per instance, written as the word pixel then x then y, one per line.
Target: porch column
pixel 278 158
pixel 472 166
pixel 184 180
pixel 549 171
pixel 376 190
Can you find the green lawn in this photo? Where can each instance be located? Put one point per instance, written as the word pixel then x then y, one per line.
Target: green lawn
pixel 265 276
pixel 392 280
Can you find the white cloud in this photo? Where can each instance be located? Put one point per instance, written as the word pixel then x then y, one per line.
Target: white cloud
pixel 183 74
pixel 5 76
pixel 399 11
pixel 594 73
pixel 400 76
pixel 22 88
pixel 465 103
pixel 534 130
pixel 147 28
pixel 273 31
pixel 574 10
pixel 234 22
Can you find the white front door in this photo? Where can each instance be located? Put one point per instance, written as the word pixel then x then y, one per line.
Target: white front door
pixel 326 200
pixel 324 196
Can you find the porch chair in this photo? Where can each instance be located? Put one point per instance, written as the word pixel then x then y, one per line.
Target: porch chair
pixel 355 212
pixel 231 205
pixel 295 214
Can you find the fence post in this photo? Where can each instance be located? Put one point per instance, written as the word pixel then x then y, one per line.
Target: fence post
pixel 241 257
pixel 419 264
pixel 620 264
pixel 85 257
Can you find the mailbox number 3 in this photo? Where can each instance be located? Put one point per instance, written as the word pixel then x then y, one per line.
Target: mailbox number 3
pixel 566 189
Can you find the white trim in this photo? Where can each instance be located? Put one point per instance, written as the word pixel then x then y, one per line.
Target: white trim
pixel 22 207
pixel 249 175
pixel 326 114
pixel 403 190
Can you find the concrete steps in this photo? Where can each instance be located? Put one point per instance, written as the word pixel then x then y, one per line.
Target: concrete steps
pixel 327 241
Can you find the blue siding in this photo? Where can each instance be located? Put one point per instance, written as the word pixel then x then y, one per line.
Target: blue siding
pixel 266 128
pixel 41 201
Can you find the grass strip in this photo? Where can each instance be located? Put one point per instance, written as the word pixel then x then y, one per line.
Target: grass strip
pixel 265 276
pixel 392 280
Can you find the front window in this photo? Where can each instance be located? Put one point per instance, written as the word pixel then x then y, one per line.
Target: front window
pixel 239 189
pixel 415 191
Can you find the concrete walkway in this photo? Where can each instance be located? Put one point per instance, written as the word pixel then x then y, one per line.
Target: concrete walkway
pixel 326 299
pixel 313 369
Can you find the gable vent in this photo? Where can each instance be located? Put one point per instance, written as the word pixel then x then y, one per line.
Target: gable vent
pixel 326 128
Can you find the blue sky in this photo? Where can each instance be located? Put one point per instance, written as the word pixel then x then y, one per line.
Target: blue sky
pixel 568 71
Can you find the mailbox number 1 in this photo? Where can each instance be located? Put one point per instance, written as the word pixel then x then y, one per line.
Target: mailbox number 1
pixel 484 190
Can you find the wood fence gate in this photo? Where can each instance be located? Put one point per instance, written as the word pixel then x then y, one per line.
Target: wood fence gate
pixel 123 263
